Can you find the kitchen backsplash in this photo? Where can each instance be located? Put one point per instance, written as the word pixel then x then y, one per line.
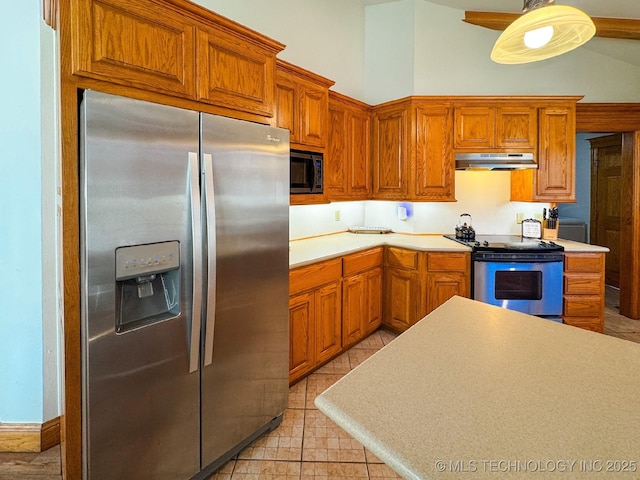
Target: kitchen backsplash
pixel 484 195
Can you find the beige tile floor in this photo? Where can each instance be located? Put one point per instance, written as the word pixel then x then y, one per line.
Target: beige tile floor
pixel 307 445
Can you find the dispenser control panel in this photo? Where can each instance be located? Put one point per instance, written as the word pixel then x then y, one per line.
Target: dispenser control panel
pixel 140 260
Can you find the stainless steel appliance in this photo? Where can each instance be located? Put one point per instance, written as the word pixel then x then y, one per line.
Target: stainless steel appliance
pixel 184 287
pixel 306 172
pixel 517 273
pixel 495 161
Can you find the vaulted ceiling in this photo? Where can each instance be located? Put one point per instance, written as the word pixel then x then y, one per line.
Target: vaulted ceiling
pixel 623 50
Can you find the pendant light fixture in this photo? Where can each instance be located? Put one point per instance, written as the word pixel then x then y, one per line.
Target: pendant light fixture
pixel 544 31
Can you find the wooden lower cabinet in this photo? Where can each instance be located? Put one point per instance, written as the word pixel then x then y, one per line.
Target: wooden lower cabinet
pixel 327 321
pixel 416 283
pixel 583 304
pixel 361 295
pixel 301 335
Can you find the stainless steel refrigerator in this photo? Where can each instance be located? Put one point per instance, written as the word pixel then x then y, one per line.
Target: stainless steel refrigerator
pixel 184 287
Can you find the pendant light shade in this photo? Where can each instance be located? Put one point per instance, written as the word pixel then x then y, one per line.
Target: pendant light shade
pixel 544 31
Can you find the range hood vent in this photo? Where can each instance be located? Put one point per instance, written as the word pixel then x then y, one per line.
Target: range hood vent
pixel 495 161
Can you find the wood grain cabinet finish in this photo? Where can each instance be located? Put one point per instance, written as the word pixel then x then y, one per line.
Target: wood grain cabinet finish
pixel 412 151
pixel 583 304
pixel 302 106
pixel 138 44
pixel 554 179
pixel 175 48
pixel 491 127
pixel 403 292
pixel 315 327
pixel 348 160
pixel 448 274
pixel 235 74
pixel 361 295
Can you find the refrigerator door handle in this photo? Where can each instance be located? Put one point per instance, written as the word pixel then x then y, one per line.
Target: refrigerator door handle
pixel 196 229
pixel 210 202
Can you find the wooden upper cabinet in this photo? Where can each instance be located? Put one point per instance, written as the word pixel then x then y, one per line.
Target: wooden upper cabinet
pixel 348 163
pixel 172 48
pixel 433 174
pixel 137 44
pixel 554 179
pixel 390 158
pixel 491 127
pixel 234 73
pixel 413 158
pixel 302 105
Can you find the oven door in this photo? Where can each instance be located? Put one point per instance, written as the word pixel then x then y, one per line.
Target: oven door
pixel 533 287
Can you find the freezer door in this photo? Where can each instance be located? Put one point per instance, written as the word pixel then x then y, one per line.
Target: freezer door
pixel 140 403
pixel 246 360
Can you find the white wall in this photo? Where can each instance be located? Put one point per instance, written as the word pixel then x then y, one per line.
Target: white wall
pixel 323 36
pixel 452 58
pixel 21 352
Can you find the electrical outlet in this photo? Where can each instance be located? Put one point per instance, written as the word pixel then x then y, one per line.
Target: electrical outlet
pixel 519 217
pixel 336 215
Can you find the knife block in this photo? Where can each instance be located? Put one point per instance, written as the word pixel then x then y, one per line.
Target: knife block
pixel 550 233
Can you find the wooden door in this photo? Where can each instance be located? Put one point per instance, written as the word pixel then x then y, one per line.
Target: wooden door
pixel 287 111
pixel 441 286
pixel 517 127
pixel 359 154
pixel 556 155
pixel 328 307
pixel 301 335
pixel 606 185
pixel 336 162
pixel 314 108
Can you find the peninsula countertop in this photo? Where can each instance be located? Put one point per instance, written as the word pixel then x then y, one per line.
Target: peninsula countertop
pixel 310 250
pixel 475 391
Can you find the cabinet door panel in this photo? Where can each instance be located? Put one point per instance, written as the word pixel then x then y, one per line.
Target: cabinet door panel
pixel 336 162
pixel 287 110
pixel 328 307
pixel 134 43
pixel 474 127
pixel 402 290
pixel 556 155
pixel 301 335
pixel 516 127
pixel 443 286
pixel 354 300
pixel 434 170
pixel 373 306
pixel 314 116
pixel 233 74
pixel 390 155
pixel 359 155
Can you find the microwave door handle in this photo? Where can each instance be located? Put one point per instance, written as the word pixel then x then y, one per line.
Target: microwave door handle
pixel 210 205
pixel 196 236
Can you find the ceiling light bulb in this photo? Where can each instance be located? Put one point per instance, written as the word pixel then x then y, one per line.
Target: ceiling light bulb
pixel 539 37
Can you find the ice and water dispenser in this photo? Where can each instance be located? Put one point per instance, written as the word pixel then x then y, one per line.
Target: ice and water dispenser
pixel 148 284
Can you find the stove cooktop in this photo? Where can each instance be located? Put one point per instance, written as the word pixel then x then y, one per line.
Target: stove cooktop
pixel 508 243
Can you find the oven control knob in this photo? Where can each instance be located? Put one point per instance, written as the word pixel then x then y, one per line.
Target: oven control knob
pixel 485 243
pixel 477 244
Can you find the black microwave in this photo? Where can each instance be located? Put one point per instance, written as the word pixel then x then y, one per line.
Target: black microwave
pixel 306 172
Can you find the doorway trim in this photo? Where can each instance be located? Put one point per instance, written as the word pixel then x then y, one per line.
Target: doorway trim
pixel 622 118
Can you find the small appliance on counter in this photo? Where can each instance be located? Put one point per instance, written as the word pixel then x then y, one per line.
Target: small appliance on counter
pixel 465 231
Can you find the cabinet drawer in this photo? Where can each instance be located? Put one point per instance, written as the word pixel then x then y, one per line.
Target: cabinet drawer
pixel 399 257
pixel 582 305
pixel 448 262
pixel 584 262
pixel 583 284
pixel 310 276
pixel 361 261
pixel 588 323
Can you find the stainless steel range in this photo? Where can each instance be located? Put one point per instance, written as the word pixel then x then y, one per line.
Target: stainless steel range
pixel 517 273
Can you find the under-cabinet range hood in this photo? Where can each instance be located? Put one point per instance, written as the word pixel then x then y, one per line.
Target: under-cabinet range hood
pixel 495 161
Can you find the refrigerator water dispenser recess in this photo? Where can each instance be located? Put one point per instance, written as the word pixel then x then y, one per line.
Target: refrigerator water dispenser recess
pixel 148 284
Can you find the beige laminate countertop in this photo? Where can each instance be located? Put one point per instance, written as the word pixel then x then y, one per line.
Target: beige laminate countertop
pixel 311 250
pixel 475 391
